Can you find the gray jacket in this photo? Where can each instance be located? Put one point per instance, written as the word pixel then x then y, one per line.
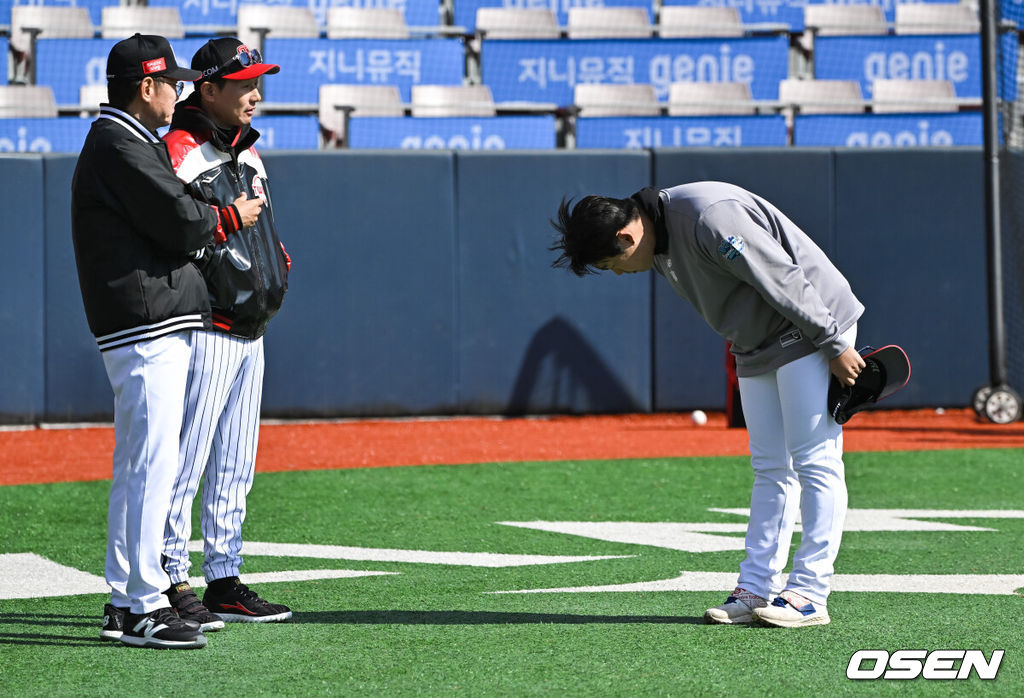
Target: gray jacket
pixel 752 274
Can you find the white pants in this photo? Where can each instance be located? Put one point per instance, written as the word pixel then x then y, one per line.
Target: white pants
pixel 796 451
pixel 218 446
pixel 148 379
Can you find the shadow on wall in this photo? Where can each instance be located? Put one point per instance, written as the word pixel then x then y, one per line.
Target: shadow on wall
pixel 561 372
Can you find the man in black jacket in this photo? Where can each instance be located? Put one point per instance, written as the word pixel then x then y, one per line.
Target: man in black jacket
pixel 136 232
pixel 211 143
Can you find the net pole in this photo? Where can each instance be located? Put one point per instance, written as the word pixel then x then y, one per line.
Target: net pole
pixel 993 223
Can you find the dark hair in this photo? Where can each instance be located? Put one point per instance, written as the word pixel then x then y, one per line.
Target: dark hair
pixel 121 92
pixel 588 234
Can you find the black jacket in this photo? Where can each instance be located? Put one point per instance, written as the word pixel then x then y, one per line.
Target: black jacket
pixel 247 271
pixel 136 230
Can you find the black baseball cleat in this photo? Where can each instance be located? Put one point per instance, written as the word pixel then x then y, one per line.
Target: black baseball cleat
pixel 113 622
pixel 188 607
pixel 162 629
pixel 237 603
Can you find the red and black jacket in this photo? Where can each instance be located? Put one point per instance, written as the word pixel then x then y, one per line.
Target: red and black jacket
pixel 246 270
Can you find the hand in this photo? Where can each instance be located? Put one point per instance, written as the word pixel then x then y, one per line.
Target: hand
pixel 248 209
pixel 847 366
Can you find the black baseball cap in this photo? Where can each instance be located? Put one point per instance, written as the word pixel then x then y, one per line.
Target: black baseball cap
pixel 886 371
pixel 145 55
pixel 229 58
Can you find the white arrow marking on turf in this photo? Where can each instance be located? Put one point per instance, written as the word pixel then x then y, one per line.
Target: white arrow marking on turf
pixel 296 576
pixel 691 537
pixel 707 538
pixel 903 519
pixel 998 584
pixel 31 576
pixel 341 552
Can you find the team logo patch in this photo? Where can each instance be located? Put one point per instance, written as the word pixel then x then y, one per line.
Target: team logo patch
pixel 257 187
pixel 732 247
pixel 153 66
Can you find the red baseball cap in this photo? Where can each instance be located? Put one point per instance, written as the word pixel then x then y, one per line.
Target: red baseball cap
pixel 230 59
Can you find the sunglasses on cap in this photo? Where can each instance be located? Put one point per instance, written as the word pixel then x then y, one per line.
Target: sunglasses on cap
pixel 244 58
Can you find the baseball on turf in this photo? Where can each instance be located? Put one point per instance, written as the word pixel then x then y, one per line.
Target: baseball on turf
pixel 699 418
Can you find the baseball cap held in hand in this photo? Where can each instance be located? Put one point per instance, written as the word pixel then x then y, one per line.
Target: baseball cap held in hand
pixel 886 370
pixel 145 55
pixel 230 59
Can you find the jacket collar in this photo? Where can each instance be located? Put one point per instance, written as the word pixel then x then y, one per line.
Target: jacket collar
pixel 649 201
pixel 129 122
pixel 190 117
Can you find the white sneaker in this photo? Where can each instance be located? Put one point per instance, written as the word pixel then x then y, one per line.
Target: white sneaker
pixel 790 610
pixel 738 608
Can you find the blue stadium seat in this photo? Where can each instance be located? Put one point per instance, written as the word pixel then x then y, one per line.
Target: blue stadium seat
pixel 306 64
pixel 465 10
pixel 67 64
pixel 461 133
pixel 95 7
pixel 200 16
pixel 547 71
pixel 64 134
pixel 956 58
pixel 888 130
pixel 681 131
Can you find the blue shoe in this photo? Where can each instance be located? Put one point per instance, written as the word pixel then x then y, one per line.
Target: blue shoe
pixel 784 612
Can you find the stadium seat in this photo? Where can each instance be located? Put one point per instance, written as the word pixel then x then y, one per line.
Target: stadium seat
pixel 365 101
pixel 91 96
pixel 516 23
pixel 366 23
pixel 609 23
pixel 822 96
pixel 120 22
pixel 29 22
pixel 710 98
pixel 256 21
pixel 27 101
pixel 616 100
pixel 452 100
pixel 936 18
pixel 845 20
pixel 894 96
pixel 678 21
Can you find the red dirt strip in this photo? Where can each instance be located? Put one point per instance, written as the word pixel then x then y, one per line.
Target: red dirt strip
pixel 36 455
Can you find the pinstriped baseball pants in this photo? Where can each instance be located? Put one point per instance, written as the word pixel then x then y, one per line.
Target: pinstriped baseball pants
pixel 219 436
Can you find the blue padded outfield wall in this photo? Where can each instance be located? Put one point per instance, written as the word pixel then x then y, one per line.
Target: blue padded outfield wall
pixel 422 283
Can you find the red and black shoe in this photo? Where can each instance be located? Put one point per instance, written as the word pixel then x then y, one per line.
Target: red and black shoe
pixel 234 602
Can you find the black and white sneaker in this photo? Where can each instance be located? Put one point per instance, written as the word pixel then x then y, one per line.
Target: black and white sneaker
pixel 113 622
pixel 162 629
pixel 188 607
pixel 237 603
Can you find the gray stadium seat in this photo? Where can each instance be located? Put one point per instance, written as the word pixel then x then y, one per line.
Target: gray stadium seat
pixel 366 23
pixel 616 100
pixel 452 100
pixel 678 21
pixel 894 96
pixel 710 98
pixel 609 23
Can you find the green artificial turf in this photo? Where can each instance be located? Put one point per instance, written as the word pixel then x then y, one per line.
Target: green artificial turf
pixel 435 629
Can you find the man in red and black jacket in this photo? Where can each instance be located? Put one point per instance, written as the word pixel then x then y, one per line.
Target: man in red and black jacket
pixel 211 143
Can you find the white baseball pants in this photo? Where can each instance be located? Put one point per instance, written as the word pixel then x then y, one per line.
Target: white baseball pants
pixel 148 379
pixel 218 446
pixel 797 454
